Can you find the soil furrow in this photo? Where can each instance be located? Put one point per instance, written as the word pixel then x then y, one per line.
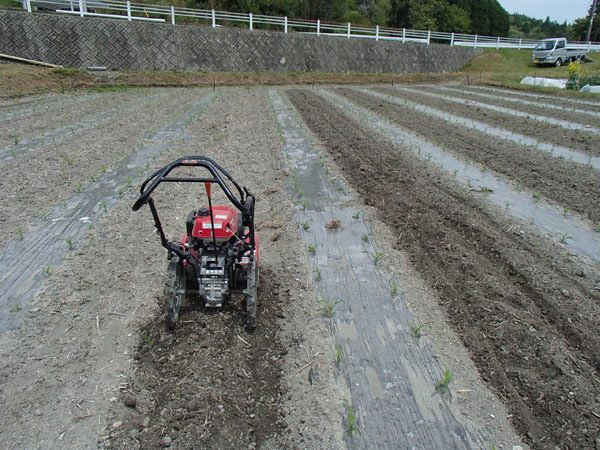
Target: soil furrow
pixel 569 102
pixel 569 184
pixel 505 292
pixel 563 113
pixel 586 142
pixel 57 173
pixel 60 119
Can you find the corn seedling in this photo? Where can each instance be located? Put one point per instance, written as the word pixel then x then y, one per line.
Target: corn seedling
pixel 375 256
pixel 338 357
pixel 417 330
pixel 467 160
pixel 300 194
pixel 484 166
pixel 365 237
pixel 129 181
pixel 20 233
pixel 532 220
pixel 428 156
pixel 16 140
pixel 352 428
pixel 147 165
pixel 537 196
pixel 454 172
pixel 79 188
pixel 120 192
pixel 147 339
pixel 356 215
pixel 15 308
pixel 328 308
pixel 47 270
pixel 93 178
pixel 597 227
pixel 305 225
pixel 564 236
pixel 312 248
pixel 508 204
pixel 104 205
pixel 317 272
pixel 394 288
pixel 69 243
pixel 304 204
pixel 44 216
pixel 443 385
pixel 565 212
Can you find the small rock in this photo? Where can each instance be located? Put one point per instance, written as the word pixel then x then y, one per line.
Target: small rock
pixel 145 422
pixel 129 401
pixel 166 441
pixel 117 424
pixel 517 447
pixel 113 399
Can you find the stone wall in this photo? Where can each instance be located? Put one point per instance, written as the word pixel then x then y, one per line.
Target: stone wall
pixel 73 41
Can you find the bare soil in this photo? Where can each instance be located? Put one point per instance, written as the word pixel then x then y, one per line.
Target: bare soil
pixel 583 141
pixel 526 310
pixel 564 182
pixel 564 114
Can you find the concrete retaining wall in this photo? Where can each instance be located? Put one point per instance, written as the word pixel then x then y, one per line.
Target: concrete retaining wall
pixel 122 45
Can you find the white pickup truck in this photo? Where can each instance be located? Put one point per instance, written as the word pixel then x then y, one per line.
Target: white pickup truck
pixel 554 51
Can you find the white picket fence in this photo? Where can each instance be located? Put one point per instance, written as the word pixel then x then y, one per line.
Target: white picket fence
pixel 157 13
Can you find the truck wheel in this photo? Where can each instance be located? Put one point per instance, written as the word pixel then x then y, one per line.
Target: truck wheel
pixel 558 62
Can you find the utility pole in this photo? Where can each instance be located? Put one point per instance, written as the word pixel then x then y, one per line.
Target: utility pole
pixel 589 32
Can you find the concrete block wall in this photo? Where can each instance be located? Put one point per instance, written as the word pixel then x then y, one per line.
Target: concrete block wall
pixel 73 41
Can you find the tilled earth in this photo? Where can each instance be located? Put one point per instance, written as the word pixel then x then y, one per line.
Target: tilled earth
pixel 564 182
pixel 92 365
pixel 527 312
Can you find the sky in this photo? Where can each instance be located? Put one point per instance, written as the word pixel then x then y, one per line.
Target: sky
pixel 558 10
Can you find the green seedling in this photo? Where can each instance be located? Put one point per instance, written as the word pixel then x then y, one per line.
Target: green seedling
pixel 394 288
pixel 69 243
pixel 443 385
pixel 518 185
pixel 375 256
pixel 597 227
pixel 454 172
pixel 104 168
pixel 15 308
pixel 565 212
pixel 20 233
pixel 79 188
pixel 417 330
pixel 328 308
pixel 120 192
pixel 104 205
pixel 16 140
pixel 532 220
pixel 352 427
pixel 129 181
pixel 93 178
pixel 47 270
pixel 365 237
pixel 300 194
pixel 305 225
pixel 44 216
pixel 312 248
pixel 304 204
pixel 317 272
pixel 486 190
pixel 484 166
pixel 564 236
pixel 537 196
pixel 467 160
pixel 356 215
pixel 338 357
pixel 508 204
pixel 147 165
pixel 428 156
pixel 148 339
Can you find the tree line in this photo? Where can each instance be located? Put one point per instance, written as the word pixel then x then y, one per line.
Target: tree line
pixel 484 17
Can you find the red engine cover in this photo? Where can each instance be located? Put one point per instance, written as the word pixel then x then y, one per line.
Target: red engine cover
pixel 225 222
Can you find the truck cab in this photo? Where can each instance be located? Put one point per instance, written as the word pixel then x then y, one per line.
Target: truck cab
pixel 554 51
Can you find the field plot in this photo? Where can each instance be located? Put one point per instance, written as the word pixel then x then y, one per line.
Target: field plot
pixel 90 364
